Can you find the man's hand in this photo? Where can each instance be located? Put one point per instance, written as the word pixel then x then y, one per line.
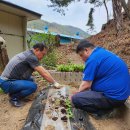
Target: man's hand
pixel 73 93
pixel 57 85
pixel 44 73
pixel 85 85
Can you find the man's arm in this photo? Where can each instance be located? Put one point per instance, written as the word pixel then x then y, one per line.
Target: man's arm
pixel 85 85
pixel 44 73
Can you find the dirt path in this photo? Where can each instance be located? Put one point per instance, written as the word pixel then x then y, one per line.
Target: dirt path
pixel 12 118
pixel 109 124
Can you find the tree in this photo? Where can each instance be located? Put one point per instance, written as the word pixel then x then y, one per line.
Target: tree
pixel 126 7
pixel 51 42
pixel 104 2
pixel 58 6
pixel 117 5
pixel 117 13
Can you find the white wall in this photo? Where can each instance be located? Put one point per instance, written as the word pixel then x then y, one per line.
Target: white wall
pixel 14 29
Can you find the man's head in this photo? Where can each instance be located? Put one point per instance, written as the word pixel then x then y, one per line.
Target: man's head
pixel 84 49
pixel 40 50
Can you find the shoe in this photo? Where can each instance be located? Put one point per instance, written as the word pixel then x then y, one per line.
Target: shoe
pixel 15 102
pixel 94 115
pixel 26 100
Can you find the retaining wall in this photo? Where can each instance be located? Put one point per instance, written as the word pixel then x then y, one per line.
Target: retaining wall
pixel 67 78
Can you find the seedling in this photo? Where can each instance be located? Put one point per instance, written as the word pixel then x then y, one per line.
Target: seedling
pixel 69 108
pixel 70 68
pixel 1 91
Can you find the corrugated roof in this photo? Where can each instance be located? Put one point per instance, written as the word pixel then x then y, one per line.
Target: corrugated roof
pixel 54 33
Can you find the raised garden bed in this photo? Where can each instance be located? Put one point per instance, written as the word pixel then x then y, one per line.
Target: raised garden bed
pixel 52 111
pixel 74 78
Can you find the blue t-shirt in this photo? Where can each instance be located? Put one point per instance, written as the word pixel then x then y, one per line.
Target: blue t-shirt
pixel 109 74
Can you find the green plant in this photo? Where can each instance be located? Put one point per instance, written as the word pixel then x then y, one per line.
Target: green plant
pixel 50 41
pixel 70 68
pixel 1 91
pixel 50 59
pixel 69 108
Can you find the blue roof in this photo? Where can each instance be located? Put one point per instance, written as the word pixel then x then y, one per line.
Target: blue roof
pixel 54 33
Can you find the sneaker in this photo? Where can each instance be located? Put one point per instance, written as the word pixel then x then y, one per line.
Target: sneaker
pixel 26 99
pixel 94 115
pixel 15 102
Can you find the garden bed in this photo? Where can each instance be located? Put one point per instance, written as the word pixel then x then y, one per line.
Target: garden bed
pixel 52 111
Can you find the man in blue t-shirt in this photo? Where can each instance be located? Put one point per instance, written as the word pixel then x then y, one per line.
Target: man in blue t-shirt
pixel 105 84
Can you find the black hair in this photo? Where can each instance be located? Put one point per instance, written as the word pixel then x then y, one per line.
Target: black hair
pixel 40 46
pixel 83 44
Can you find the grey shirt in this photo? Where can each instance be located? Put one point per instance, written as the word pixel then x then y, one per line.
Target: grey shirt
pixel 21 66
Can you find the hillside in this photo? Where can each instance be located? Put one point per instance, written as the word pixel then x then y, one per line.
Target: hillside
pixel 118 43
pixel 54 27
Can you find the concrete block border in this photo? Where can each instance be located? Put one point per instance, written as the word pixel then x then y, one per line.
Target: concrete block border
pixel 67 77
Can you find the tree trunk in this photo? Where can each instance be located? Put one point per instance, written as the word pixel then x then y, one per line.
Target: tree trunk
pixel 117 13
pixel 106 10
pixel 128 4
pixel 3 57
pixel 126 7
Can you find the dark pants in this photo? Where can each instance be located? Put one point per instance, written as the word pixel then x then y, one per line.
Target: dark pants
pixel 18 88
pixel 94 102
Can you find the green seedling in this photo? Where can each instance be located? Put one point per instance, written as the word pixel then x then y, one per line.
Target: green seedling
pixel 1 91
pixel 69 108
pixel 70 68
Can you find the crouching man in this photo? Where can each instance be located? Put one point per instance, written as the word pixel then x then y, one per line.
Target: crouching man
pixel 15 79
pixel 106 82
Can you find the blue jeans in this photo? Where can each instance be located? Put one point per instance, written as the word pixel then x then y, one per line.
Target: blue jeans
pixel 18 88
pixel 94 102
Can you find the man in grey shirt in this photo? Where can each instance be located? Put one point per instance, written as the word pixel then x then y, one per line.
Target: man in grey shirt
pixel 15 78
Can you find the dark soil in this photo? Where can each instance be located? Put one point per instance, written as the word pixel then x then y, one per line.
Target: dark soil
pixel 63 111
pixel 54 118
pixel 64 118
pixel 56 107
pixel 62 103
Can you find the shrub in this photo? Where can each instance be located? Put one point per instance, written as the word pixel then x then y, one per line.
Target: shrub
pixel 51 58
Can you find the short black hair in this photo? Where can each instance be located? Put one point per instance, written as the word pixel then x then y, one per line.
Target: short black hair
pixel 83 44
pixel 41 46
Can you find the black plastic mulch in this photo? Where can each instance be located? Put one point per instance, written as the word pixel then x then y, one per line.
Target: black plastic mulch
pixel 80 120
pixel 35 115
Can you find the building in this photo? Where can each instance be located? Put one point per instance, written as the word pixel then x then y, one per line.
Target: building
pixel 13 26
pixel 64 39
